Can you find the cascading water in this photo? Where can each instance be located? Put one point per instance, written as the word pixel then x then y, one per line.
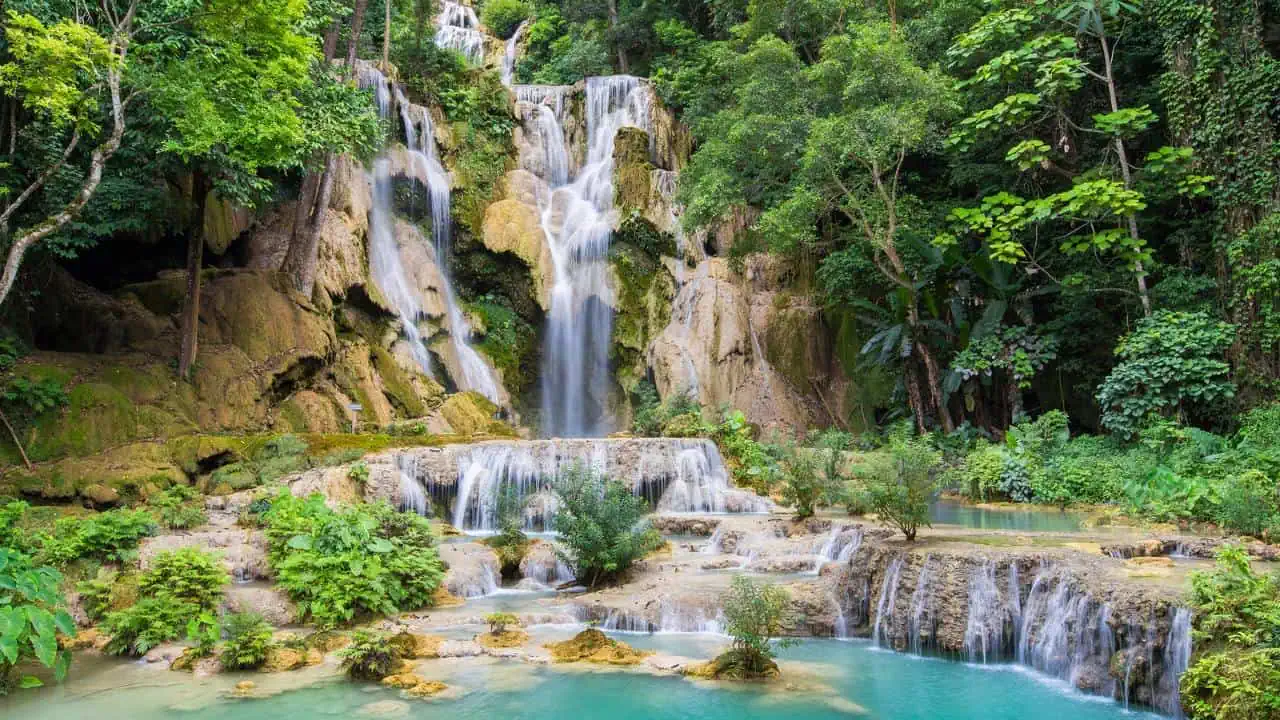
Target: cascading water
pixel 578 220
pixel 673 475
pixel 989 620
pixel 509 54
pixel 920 607
pixel 423 164
pixel 888 598
pixel 1177 656
pixel 458 29
pixel 840 545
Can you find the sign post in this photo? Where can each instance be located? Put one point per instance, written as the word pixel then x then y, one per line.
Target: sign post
pixel 356 409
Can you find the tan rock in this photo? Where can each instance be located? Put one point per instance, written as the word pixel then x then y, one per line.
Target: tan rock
pixel 402 681
pixel 415 646
pixel 224 221
pixel 593 646
pixel 515 227
pixel 426 688
pixel 505 639
pixel 244 687
pixel 281 659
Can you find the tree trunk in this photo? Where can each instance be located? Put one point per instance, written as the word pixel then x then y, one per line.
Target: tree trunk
pixel 935 386
pixel 300 262
pixel 357 22
pixel 386 38
pixel 195 258
pixel 17 443
pixel 910 379
pixel 331 41
pixel 97 163
pixel 1132 219
pixel 613 25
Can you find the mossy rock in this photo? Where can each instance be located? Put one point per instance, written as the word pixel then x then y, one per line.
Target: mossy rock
pixel 397 386
pixel 593 646
pixel 734 665
pixel 468 413
pixel 199 454
pixel 131 471
pixel 415 646
pixel 426 688
pixel 506 639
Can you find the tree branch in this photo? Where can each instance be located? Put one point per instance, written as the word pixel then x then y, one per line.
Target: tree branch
pixel 40 181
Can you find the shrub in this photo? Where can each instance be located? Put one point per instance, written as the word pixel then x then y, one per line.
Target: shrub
pixel 1250 504
pixel 901 490
pixel 1171 365
pixel 179 508
pixel 204 631
pixel 749 460
pixel 1237 627
pixel 32 612
pixel 152 621
pixel 189 575
pixel 499 621
pixel 370 656
pixel 753 617
pixel 804 486
pixel 110 536
pixel 359 473
pixel 248 641
pixel 95 594
pixel 600 526
pixel 366 559
pixel 979 476
pixel 12 534
pixel 502 17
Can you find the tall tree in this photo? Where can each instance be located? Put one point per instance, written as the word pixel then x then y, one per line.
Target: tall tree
pixel 56 73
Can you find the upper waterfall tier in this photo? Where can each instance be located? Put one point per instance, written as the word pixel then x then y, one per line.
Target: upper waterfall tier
pixel 674 475
pixel 458 28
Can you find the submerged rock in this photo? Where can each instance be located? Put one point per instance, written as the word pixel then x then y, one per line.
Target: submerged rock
pixel 593 646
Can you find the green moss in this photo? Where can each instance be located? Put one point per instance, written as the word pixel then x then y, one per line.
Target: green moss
pixel 509 341
pixel 396 384
pixel 645 291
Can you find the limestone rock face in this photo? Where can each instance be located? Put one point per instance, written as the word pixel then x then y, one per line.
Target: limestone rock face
pixel 513 225
pixel 268 602
pixel 712 350
pixel 224 221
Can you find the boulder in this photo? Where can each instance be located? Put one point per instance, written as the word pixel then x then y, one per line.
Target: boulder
pixel 282 659
pixel 513 226
pixel 272 604
pixel 100 496
pixel 593 646
pixel 509 638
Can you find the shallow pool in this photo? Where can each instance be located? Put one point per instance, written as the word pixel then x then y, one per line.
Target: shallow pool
pixel 825 679
pixel 948 512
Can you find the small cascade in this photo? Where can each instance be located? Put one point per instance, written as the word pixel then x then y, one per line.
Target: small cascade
pixel 989 626
pixel 841 626
pixel 840 545
pixel 510 52
pixel 544 572
pixel 921 606
pixel 888 598
pixel 413 497
pixel 714 543
pixel 578 220
pixel 423 164
pixel 1063 629
pixel 672 617
pixel 458 29
pixel 673 475
pixel 1177 657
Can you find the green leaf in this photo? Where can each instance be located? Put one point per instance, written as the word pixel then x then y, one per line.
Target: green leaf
pixel 30 681
pixel 301 542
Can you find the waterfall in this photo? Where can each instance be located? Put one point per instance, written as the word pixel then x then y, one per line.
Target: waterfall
pixel 672 617
pixel 1177 656
pixel 920 605
pixel 840 545
pixel 509 54
pixel 888 597
pixel 713 545
pixel 578 221
pixel 458 29
pixel 984 634
pixel 412 496
pixel 1063 629
pixel 423 164
pixel 673 475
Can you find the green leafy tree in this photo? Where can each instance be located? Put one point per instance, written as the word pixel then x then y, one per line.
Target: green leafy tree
pixel 900 491
pixel 32 613
pixel 601 526
pixel 805 485
pixel 753 613
pixel 1171 366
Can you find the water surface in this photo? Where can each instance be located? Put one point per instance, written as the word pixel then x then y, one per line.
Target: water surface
pixel 949 512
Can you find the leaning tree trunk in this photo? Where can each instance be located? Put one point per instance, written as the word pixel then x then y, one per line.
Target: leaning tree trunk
pixel 195 259
pixel 357 23
pixel 303 256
